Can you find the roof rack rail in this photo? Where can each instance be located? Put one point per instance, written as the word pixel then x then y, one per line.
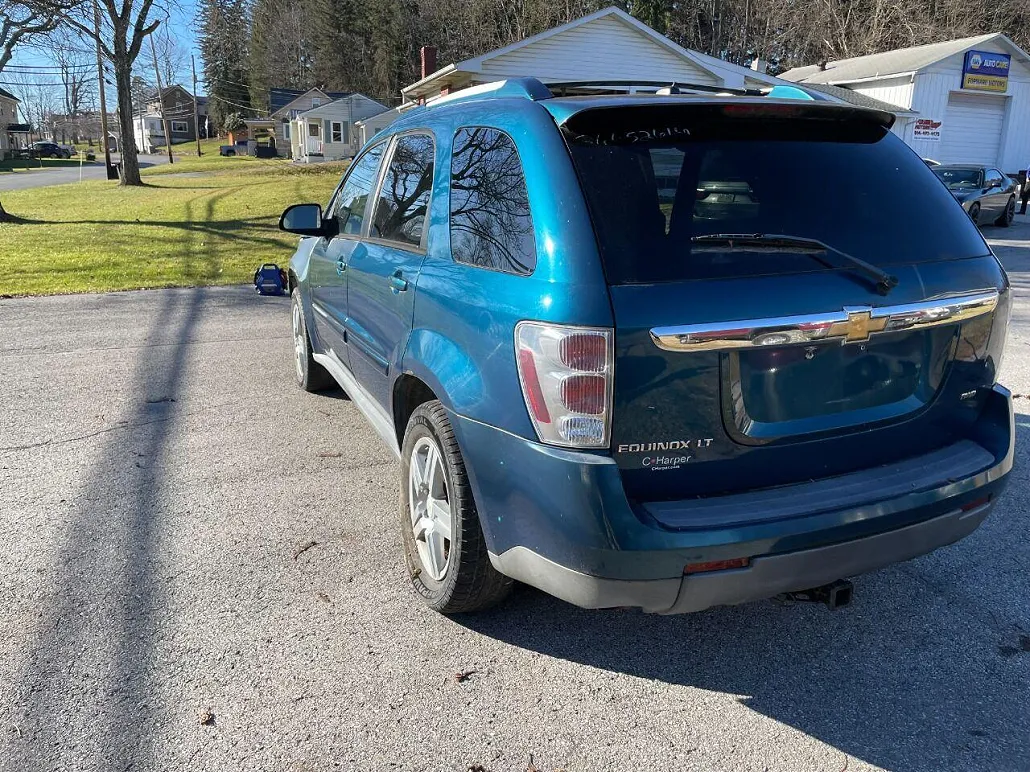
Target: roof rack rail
pixel 535 90
pixel 674 87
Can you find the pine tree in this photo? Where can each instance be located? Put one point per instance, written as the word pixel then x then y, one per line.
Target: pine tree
pixel 223 52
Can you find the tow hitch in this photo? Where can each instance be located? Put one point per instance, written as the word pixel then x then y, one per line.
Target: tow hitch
pixel 834 595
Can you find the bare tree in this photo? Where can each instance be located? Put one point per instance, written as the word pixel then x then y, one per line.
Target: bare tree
pixel 20 22
pixel 120 27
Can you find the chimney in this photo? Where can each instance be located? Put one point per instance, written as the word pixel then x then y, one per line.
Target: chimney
pixel 428 55
pixel 760 65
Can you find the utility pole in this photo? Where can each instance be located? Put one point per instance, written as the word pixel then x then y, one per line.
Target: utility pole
pixel 196 104
pixel 103 99
pixel 161 101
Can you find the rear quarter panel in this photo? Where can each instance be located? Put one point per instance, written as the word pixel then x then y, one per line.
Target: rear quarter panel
pixel 462 341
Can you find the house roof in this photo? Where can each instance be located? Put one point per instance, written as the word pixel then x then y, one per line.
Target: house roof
pixel 730 74
pixel 281 98
pixel 8 95
pixel 857 99
pixel 901 61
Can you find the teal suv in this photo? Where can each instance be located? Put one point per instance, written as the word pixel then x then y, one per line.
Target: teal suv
pixel 644 349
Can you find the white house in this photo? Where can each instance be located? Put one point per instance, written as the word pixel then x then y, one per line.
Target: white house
pixel 327 132
pixel 605 46
pixel 148 132
pixel 960 101
pixel 8 119
pixel 367 128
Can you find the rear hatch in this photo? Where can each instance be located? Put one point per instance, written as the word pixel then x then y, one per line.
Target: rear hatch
pixel 795 294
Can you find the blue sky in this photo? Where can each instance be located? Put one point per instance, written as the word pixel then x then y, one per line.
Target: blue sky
pixel 36 62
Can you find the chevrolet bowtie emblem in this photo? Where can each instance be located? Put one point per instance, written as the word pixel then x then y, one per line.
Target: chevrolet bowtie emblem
pixel 859 326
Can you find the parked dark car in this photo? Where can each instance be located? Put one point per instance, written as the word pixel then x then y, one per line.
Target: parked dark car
pixel 48 150
pixel 645 350
pixel 987 195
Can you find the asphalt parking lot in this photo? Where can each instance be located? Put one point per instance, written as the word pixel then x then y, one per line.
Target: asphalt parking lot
pixel 200 571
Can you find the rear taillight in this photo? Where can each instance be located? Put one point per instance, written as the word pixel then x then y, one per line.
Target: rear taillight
pixel 566 377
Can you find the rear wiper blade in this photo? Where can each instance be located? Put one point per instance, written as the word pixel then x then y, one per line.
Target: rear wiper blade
pixel 883 281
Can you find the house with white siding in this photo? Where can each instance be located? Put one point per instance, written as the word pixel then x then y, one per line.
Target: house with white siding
pixel 959 101
pixel 327 132
pixel 287 105
pixel 8 122
pixel 607 44
pixel 603 47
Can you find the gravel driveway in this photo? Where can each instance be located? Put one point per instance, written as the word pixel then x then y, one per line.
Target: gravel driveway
pixel 199 570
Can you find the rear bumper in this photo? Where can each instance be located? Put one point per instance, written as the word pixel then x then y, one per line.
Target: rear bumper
pixel 560 521
pixel 765 577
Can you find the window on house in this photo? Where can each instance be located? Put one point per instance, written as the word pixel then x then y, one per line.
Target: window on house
pixel 337 132
pixel 316 102
pixel 180 127
pixel 491 224
pixel 313 129
pixel 400 212
pixel 286 130
pixel 357 187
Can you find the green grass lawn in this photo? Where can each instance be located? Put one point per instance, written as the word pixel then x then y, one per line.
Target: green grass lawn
pixel 215 228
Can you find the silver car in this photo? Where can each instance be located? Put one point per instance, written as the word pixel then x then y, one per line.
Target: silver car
pixel 987 195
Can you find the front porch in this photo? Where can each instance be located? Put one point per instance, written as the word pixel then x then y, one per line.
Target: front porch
pixel 318 138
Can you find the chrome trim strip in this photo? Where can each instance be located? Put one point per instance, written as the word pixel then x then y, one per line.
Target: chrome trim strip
pixel 853 324
pixel 362 400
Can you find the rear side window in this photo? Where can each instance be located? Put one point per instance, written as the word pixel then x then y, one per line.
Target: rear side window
pixel 491 225
pixel 400 214
pixel 353 196
pixel 656 178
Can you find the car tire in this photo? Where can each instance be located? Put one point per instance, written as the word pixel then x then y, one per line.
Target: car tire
pixel 311 376
pixel 452 575
pixel 974 214
pixel 1009 215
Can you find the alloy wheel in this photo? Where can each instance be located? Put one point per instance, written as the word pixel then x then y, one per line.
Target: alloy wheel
pixel 430 507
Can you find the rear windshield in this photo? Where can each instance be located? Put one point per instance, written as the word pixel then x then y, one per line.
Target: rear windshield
pixel 959 179
pixel 657 177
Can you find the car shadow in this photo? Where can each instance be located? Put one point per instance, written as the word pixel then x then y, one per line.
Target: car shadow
pixel 928 669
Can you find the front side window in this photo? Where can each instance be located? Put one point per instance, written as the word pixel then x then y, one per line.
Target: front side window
pixel 994 176
pixel 407 186
pixel 353 196
pixel 491 225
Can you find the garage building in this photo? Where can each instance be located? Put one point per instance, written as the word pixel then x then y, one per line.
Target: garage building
pixel 960 101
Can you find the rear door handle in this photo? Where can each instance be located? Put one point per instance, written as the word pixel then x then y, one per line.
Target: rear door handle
pixel 398 283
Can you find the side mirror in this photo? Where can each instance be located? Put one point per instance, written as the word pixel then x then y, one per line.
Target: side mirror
pixel 993 184
pixel 306 220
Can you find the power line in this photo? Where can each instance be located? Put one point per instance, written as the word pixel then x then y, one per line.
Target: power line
pixel 234 104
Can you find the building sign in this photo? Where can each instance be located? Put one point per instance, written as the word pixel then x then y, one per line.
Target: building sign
pixel 927 129
pixel 986 71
